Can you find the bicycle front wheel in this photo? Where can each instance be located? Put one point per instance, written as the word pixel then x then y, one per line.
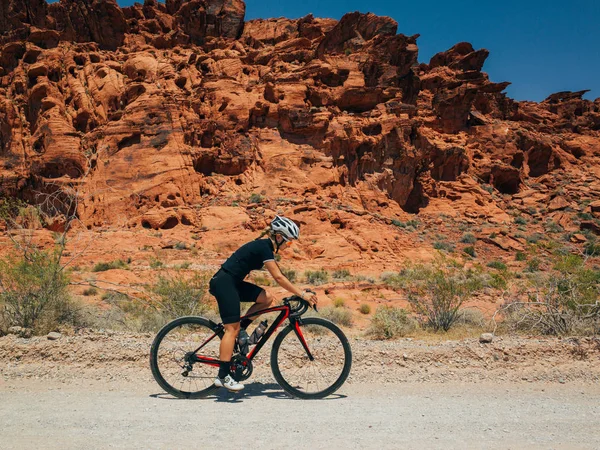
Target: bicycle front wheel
pixel 329 368
pixel 175 363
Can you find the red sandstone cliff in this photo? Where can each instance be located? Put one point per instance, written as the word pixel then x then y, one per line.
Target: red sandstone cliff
pixel 181 111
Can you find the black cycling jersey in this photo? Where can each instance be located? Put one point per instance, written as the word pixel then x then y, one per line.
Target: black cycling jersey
pixel 248 257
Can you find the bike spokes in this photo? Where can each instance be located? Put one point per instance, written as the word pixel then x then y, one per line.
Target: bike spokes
pixel 320 370
pixel 184 371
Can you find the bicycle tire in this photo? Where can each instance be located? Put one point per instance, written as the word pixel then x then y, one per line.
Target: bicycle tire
pixel 311 336
pixel 159 357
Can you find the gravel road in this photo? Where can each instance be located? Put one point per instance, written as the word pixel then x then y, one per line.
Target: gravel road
pixel 120 414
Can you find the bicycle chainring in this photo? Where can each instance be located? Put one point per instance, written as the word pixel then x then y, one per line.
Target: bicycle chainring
pixel 241 367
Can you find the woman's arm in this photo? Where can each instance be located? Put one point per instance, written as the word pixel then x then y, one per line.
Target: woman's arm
pixel 280 278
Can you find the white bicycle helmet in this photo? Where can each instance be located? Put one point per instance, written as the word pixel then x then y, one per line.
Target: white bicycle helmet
pixel 286 227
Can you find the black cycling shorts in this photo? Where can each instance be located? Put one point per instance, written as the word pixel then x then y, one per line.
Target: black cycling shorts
pixel 229 292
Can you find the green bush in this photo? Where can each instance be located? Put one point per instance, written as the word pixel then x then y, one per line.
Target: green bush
pixel 338 302
pixel 261 280
pixel 364 309
pixel 535 238
pixel 470 318
pixel 533 265
pixel 340 316
pixel 470 250
pixel 156 263
pixel 390 322
pixel 520 256
pixel 553 227
pixel 180 296
pixel 444 246
pixel 561 302
pixel 255 198
pixel 128 314
pixel 90 292
pixel 520 220
pixel 468 238
pixel 104 266
pixel 437 292
pixel 290 274
pixel 410 224
pixel 591 249
pixel 370 280
pixel 316 277
pixel 585 216
pixel 341 274
pixel 497 265
pixel 33 293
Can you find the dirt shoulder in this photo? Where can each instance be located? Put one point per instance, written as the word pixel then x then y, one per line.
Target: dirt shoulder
pixel 114 355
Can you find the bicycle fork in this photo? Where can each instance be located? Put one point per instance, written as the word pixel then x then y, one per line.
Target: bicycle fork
pixel 300 335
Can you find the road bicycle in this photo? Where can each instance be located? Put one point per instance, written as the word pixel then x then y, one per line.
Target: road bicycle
pixel 310 357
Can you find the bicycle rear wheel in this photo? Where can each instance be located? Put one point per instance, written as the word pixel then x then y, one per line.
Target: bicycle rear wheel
pixel 171 357
pixel 296 373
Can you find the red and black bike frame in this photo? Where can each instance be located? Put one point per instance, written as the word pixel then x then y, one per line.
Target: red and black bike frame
pixel 284 313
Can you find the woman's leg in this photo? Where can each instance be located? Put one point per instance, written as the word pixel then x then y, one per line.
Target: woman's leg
pixel 228 341
pixel 263 301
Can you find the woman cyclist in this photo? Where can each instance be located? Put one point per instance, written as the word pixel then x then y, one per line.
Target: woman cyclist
pixel 229 288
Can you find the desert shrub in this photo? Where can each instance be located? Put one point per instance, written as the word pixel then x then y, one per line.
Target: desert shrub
pixel 471 318
pixel 341 274
pixel 178 296
pixel 127 314
pixel 33 293
pixel 535 238
pixel 411 224
pixel 156 263
pixel 180 246
pixel 498 280
pixel 520 220
pixel 591 249
pixel 561 302
pixel 89 292
pixel 338 302
pixel 585 216
pixel 553 227
pixel 437 292
pixel 533 265
pixel 520 256
pixel 104 266
pixel 364 309
pixel 444 246
pixel 470 250
pixel 290 274
pixel 261 280
pixel 183 266
pixel 316 277
pixel 497 265
pixel 468 238
pixel 340 316
pixel 390 322
pixel 366 278
pixel 255 198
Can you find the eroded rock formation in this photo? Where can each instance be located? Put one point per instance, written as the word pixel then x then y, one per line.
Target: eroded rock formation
pixel 159 111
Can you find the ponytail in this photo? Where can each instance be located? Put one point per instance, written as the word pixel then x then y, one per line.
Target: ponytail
pixel 266 231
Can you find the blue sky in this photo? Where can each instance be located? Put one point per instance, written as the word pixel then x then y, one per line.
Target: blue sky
pixel 540 46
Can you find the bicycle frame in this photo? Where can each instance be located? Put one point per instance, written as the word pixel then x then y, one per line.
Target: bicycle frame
pixel 284 313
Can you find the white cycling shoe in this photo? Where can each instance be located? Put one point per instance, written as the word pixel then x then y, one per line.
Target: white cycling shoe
pixel 229 383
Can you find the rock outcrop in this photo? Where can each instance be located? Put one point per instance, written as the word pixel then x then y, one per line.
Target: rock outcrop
pixel 161 110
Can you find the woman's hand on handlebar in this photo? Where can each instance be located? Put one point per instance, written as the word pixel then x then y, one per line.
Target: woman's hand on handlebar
pixel 311 298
